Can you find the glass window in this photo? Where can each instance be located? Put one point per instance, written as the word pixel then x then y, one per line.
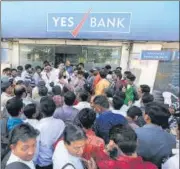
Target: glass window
pixel 100 56
pixel 36 54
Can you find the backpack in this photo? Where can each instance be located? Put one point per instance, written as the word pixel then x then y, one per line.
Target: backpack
pixel 4 138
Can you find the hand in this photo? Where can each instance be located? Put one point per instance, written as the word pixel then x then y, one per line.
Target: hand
pixel 91 164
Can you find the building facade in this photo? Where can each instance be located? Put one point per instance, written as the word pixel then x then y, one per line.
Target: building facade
pixel 95 33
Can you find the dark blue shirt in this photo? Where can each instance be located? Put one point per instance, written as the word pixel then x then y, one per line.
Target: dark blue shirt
pixel 105 122
pixel 154 143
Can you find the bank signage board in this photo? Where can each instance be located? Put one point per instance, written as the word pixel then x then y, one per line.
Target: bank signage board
pixel 88 22
pixel 156 55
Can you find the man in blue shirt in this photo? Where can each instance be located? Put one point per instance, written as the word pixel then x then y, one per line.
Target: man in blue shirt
pixel 106 119
pixel 155 144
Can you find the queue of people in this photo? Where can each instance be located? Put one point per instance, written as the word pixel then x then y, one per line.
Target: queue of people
pixel 69 118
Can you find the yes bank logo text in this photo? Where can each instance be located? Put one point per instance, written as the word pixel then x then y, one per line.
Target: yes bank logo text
pixel 93 22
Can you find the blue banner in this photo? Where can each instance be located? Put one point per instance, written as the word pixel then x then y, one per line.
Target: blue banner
pixel 156 55
pixel 94 22
pixel 101 20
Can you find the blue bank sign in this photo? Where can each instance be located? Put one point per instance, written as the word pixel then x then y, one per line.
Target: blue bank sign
pixel 156 55
pixel 89 22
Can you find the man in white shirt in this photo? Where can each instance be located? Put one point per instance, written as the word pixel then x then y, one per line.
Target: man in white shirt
pixel 23 145
pixel 51 130
pixel 83 97
pixel 68 152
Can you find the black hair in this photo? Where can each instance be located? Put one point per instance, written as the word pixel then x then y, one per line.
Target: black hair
pixel 27 66
pixel 13 70
pixel 69 98
pixel 20 68
pixel 145 88
pixel 73 133
pixel 22 132
pixel 42 91
pixel 103 74
pixel 84 95
pixel 30 110
pixel 19 90
pixel 108 67
pixel 125 138
pixel 20 82
pixel 158 114
pixel 82 64
pixel 118 102
pixel 127 72
pixel 38 67
pixel 47 106
pixel 80 72
pixel 118 73
pixel 131 77
pixel 134 111
pixel 86 118
pixel 56 90
pixel 14 106
pixel 120 94
pixel 7 69
pixel 147 98
pixel 109 92
pixel 119 68
pixel 65 89
pixel 101 101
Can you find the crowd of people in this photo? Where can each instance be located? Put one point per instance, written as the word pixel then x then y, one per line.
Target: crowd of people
pixel 71 118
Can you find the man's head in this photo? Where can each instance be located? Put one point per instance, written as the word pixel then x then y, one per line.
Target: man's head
pixel 147 98
pixel 42 91
pixel 75 140
pixel 47 106
pixel 126 73
pixel 108 68
pixel 123 139
pixel 28 68
pixel 7 71
pixel 38 69
pixel 14 106
pixel 103 74
pixel 19 70
pixel 80 74
pixel 20 91
pixel 157 114
pixel 47 67
pixel 6 87
pixel 118 102
pixel 119 68
pixel 100 104
pixel 83 96
pixel 81 66
pixel 86 118
pixel 56 90
pixel 134 112
pixel 130 79
pixel 14 73
pixel 143 89
pixel 117 75
pixel 30 111
pixel 68 63
pixel 69 98
pixel 23 141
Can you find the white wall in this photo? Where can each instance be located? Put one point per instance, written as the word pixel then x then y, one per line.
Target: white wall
pixel 145 70
pixel 124 57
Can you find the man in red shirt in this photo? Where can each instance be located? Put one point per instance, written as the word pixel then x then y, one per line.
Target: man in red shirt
pixel 121 151
pixel 85 119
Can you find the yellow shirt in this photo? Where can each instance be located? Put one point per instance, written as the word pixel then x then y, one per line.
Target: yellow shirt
pixel 101 86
